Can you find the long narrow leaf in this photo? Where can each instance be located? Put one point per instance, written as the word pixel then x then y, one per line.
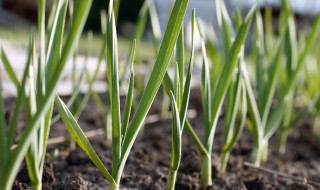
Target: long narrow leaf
pixel 269 94
pixel 20 96
pixel 129 99
pixel 10 71
pixel 187 85
pixel 259 51
pixel 180 61
pixel 238 129
pixel 274 121
pixel 3 141
pixel 167 83
pixel 205 85
pixel 194 137
pixel 310 40
pixel 112 65
pixel 31 108
pixel 78 135
pixel 176 135
pixel 226 76
pixel 138 34
pixel 42 49
pixel 232 108
pixel 55 39
pixel 252 106
pixel 155 80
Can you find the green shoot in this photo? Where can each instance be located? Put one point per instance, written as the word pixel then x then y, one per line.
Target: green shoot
pixel 235 118
pixel 212 109
pixel 176 146
pixel 42 85
pixel 121 146
pixel 179 102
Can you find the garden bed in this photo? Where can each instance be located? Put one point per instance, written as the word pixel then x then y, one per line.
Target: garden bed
pixel 148 163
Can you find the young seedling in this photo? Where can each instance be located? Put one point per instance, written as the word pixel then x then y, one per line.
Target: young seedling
pixel 236 108
pixel 295 63
pixel 212 103
pixel 179 102
pixel 236 113
pixel 265 119
pixel 260 120
pixel 42 84
pixel 123 137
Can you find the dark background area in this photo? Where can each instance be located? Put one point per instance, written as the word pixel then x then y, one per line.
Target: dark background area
pixel 129 10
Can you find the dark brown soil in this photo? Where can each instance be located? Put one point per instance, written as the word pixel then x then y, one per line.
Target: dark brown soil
pixel 149 160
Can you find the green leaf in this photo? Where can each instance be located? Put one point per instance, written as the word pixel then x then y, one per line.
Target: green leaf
pixel 55 39
pixel 234 95
pixel 225 26
pixel 196 140
pixel 259 54
pixel 31 109
pixel 113 78
pixel 20 96
pixel 255 119
pixel 155 80
pixel 238 18
pixel 138 34
pixel 47 124
pixel 269 93
pixel 274 121
pixel 240 125
pixel 205 85
pixel 78 135
pixel 226 76
pixel 129 98
pixel 310 40
pixel 41 78
pixel 180 61
pixel 129 62
pixel 177 84
pixel 10 71
pixel 167 83
pixel 3 140
pixel 187 86
pixel 291 49
pixel 176 136
pixel 116 8
pixel 52 14
pixel 269 36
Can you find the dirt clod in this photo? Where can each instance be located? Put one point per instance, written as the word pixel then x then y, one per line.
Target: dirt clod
pixel 74 182
pixel 256 184
pixel 48 174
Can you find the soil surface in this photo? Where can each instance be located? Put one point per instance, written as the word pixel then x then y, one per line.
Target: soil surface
pixel 149 160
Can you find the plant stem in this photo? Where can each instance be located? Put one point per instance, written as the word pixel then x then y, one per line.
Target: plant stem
pixel 113 186
pixel 283 141
pixel 224 161
pixel 108 128
pixel 171 179
pixel 206 171
pixel 261 153
pixel 37 186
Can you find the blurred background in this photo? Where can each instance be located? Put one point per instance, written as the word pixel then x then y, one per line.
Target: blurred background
pixel 18 17
pixel 23 14
pixel 17 12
